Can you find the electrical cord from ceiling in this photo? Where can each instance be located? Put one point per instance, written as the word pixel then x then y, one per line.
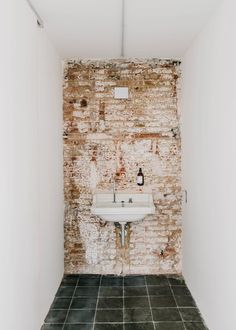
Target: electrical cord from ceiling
pixel 122 27
pixel 39 19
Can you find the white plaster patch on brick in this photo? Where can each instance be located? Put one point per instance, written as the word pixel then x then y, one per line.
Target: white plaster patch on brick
pixel 98 137
pixel 90 235
pixel 93 176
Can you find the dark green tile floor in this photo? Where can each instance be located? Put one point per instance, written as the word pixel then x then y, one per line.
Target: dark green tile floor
pixel 96 302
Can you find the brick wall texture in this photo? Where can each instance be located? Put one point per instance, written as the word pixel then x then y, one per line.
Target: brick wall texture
pixel 105 138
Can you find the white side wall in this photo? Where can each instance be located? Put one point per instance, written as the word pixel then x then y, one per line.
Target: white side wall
pixel 31 198
pixel 209 168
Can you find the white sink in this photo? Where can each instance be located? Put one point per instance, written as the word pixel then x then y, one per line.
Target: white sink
pixel 106 209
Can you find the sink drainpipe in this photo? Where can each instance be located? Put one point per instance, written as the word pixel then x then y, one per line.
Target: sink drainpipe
pixel 122 233
pixel 114 191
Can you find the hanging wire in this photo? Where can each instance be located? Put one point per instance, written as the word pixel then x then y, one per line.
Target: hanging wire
pixel 39 19
pixel 122 27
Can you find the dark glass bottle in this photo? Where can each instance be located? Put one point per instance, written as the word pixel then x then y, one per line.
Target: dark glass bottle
pixel 140 178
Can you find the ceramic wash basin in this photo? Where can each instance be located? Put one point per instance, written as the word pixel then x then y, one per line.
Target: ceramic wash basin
pixel 128 207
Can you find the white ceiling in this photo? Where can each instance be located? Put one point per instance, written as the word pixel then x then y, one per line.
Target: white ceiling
pixel 152 28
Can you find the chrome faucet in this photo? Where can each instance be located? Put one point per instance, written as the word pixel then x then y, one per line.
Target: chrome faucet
pixel 114 191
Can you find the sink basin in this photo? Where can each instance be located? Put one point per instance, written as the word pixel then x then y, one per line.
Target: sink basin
pixel 122 210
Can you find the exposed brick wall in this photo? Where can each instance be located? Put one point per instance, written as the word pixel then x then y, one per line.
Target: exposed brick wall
pixel 104 136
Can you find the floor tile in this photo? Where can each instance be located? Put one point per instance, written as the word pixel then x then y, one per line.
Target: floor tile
pixel 112 315
pixel 176 280
pixel 65 291
pixel 185 301
pixel 79 294
pixel 71 276
pixel 136 302
pixel 139 326
pixel 180 290
pixel 56 316
pixel 69 282
pixel 169 326
pixel 89 281
pixel 90 276
pixel 108 326
pixel 112 281
pixel 79 326
pixel 135 291
pixel 80 316
pixel 84 303
pixel 166 314
pixel 115 291
pixel 84 291
pixel 190 314
pixel 138 315
pixel 159 291
pixel 194 326
pixel 156 280
pixel 61 303
pixel 52 327
pixel 162 301
pixel 134 281
pixel 108 303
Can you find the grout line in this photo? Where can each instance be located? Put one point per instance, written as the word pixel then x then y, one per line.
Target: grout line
pixel 96 307
pixel 70 304
pixel 121 308
pixel 134 296
pixel 176 303
pixel 141 322
pixel 118 286
pixel 154 327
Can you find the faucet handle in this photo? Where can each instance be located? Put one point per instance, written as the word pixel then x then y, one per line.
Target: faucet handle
pixel 130 200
